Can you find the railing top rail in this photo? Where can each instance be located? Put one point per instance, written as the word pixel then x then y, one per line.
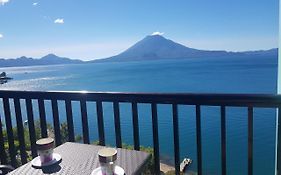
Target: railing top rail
pixel 256 100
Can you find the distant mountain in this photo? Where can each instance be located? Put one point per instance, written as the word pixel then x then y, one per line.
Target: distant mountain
pixel 152 47
pixel 155 47
pixel 50 59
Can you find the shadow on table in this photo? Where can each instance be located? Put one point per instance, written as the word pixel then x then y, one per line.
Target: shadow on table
pixel 52 168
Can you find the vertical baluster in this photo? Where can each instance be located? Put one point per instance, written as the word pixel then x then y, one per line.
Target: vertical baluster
pixel 117 124
pixel 198 139
pixel 20 130
pixel 31 127
pixel 43 122
pixel 155 138
pixel 100 123
pixel 250 140
pixel 69 116
pixel 3 156
pixel 56 122
pixel 10 134
pixel 279 142
pixel 176 138
pixel 136 126
pixel 223 141
pixel 85 126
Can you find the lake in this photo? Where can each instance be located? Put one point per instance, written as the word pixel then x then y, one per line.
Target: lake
pixel 212 75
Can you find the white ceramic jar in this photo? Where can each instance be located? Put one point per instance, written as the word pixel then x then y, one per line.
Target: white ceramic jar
pixel 107 158
pixel 45 149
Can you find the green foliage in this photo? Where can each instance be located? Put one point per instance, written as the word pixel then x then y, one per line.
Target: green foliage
pixel 96 142
pixel 78 138
pixel 173 173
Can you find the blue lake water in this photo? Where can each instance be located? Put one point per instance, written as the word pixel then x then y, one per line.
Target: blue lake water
pixel 217 75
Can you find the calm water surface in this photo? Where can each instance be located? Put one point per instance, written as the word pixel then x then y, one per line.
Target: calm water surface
pixel 217 75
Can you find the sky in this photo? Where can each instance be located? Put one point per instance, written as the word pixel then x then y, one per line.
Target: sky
pixel 92 29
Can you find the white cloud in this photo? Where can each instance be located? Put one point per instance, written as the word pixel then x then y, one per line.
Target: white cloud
pixel 35 4
pixel 2 2
pixel 59 21
pixel 1 36
pixel 157 33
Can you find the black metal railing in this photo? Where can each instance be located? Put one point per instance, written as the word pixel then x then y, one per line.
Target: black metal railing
pixel 198 100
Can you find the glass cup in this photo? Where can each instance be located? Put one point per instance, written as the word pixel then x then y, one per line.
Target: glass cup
pixel 107 158
pixel 45 149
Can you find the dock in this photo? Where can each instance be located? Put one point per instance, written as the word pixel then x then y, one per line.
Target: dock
pixel 165 168
pixel 184 164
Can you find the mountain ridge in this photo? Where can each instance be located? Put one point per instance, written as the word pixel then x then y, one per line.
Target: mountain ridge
pixel 154 47
pixel 50 59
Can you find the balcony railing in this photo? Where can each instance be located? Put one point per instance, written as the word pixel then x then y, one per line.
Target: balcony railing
pixel 198 100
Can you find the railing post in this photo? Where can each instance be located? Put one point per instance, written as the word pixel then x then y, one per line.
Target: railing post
pixel 56 122
pixel 136 126
pixel 223 141
pixel 100 123
pixel 250 140
pixel 20 130
pixel 3 156
pixel 176 138
pixel 198 139
pixel 155 138
pixel 42 114
pixel 278 142
pixel 69 118
pixel 9 127
pixel 31 127
pixel 118 138
pixel 85 127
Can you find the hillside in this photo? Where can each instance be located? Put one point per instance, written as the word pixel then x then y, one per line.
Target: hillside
pixel 155 47
pixel 49 59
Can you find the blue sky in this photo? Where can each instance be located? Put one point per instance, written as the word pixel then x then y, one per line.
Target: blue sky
pixel 89 29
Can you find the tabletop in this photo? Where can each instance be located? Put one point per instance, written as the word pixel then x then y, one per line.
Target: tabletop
pixel 83 159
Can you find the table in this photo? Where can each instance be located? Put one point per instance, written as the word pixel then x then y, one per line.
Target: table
pixel 83 159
